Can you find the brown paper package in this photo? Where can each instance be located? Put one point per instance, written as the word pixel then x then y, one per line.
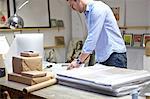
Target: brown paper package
pixel 34 74
pixel 27 80
pixel 21 64
pixel 29 54
pixel 1 61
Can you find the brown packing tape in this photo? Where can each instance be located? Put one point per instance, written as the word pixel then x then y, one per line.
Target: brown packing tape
pixel 39 86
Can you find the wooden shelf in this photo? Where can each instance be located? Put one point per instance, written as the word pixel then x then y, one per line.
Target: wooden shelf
pixel 8 30
pixel 135 27
pixel 131 47
pixel 29 29
pixel 55 46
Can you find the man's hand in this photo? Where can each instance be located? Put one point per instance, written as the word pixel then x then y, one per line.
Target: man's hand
pixel 73 64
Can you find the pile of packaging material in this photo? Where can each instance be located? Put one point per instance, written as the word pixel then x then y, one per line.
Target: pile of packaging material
pixel 27 69
pixel 105 79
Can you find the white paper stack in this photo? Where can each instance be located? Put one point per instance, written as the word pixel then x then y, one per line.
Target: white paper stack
pixel 106 80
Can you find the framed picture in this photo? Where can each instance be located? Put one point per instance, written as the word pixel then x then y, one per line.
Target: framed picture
pixel 137 40
pixel 53 23
pixel 146 37
pixel 60 23
pixel 127 39
pixel 4 13
pixel 36 13
pixel 59 40
pixel 119 9
pixel 116 11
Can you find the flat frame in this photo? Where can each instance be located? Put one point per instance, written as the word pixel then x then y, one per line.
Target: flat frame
pixel 39 17
pixel 146 37
pixel 53 23
pixel 119 10
pixel 137 40
pixel 128 39
pixel 60 23
pixel 116 11
pixel 59 40
pixel 4 13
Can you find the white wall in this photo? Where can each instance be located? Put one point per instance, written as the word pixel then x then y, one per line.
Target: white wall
pixel 59 10
pixel 74 27
pixel 117 3
pixel 79 29
pixel 137 14
pixel 148 12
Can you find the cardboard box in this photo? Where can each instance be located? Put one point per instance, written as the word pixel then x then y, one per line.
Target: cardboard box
pixel 21 64
pixel 34 74
pixel 1 61
pixel 27 80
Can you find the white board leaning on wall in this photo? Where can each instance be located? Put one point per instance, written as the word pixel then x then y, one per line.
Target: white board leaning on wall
pixel 4 46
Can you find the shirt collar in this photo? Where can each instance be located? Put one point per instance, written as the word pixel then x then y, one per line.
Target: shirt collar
pixel 88 6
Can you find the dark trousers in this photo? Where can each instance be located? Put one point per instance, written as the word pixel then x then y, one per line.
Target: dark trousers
pixel 117 60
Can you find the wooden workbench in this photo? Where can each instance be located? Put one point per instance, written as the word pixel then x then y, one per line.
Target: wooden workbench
pixel 52 92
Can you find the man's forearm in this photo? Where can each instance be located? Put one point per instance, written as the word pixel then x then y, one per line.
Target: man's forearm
pixel 77 62
pixel 83 56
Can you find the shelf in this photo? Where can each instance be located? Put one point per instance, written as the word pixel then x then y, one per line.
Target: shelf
pixel 135 27
pixel 130 47
pixel 29 29
pixel 55 46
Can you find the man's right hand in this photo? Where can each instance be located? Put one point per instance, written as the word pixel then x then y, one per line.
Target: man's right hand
pixel 73 64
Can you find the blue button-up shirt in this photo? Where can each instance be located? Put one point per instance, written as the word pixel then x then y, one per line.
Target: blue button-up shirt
pixel 104 35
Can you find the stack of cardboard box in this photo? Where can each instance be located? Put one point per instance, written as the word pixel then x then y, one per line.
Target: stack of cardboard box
pixel 27 69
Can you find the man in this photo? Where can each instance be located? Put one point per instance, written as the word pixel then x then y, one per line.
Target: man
pixel 103 37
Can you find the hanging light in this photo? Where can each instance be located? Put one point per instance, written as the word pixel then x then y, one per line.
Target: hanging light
pixel 16 21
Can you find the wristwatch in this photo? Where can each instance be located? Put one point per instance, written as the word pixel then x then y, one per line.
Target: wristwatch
pixel 78 61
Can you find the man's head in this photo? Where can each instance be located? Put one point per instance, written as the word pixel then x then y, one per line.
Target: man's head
pixel 77 5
